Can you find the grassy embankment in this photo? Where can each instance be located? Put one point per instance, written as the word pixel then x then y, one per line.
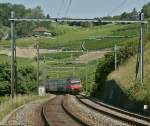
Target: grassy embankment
pixel 125 77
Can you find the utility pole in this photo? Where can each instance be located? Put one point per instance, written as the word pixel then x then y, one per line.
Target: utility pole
pixel 142 48
pixel 86 76
pixel 73 71
pixel 147 29
pixel 86 73
pixel 37 48
pixel 115 49
pixel 13 57
pixel 73 67
pixel 57 70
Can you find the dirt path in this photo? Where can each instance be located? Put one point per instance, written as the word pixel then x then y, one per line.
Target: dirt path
pixel 31 53
pixel 26 52
pixel 90 56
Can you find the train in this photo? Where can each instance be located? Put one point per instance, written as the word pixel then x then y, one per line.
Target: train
pixel 69 85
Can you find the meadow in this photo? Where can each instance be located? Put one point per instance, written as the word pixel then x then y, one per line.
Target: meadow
pixel 71 37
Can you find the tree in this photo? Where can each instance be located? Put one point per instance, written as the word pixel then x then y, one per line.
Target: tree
pixel 4 79
pixel 106 65
pixel 26 79
pixel 36 12
pixel 1 34
pixel 146 10
pixel 47 16
pixel 124 16
pixel 134 14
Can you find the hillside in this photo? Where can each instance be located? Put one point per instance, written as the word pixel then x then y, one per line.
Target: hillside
pixel 121 88
pixel 125 77
pixel 71 37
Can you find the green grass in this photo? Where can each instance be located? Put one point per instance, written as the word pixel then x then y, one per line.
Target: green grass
pixel 72 37
pixel 60 55
pixel 125 78
pixel 4 58
pixel 20 61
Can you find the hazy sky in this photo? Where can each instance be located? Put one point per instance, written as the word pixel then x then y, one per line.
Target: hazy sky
pixel 82 8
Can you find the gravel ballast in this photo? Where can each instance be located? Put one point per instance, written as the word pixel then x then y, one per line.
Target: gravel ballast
pixel 91 116
pixel 28 114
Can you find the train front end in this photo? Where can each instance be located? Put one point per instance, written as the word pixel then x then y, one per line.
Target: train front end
pixel 74 85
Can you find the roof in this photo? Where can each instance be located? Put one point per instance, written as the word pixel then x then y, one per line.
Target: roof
pixel 40 29
pixel 73 79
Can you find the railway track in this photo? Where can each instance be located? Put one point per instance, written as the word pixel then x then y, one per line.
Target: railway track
pixel 87 115
pixel 118 114
pixel 55 113
pixel 69 110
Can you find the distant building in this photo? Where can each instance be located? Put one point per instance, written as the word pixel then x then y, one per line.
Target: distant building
pixel 41 31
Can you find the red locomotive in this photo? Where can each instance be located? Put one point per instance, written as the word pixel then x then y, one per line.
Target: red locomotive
pixel 74 85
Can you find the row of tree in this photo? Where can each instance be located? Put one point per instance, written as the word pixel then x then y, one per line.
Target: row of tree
pixel 22 28
pixel 20 11
pixel 134 15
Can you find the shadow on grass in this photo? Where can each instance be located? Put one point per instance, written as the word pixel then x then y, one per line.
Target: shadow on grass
pixel 114 95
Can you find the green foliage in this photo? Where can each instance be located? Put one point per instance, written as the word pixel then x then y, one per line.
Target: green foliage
pixel 22 28
pixel 20 11
pixel 146 10
pixel 125 16
pixel 26 79
pixel 1 34
pixel 106 65
pixel 4 79
pixel 60 55
pixel 131 15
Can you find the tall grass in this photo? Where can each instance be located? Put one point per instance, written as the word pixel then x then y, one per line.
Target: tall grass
pixel 125 77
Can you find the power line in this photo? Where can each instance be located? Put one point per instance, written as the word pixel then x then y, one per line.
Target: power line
pixel 118 7
pixel 68 8
pixel 60 8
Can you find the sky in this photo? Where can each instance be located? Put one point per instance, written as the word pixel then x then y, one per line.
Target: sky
pixel 82 8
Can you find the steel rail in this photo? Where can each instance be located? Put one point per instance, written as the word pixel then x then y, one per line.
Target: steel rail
pixel 47 121
pixel 45 118
pixel 117 110
pixel 64 102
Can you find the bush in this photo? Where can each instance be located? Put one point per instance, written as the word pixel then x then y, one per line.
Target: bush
pixel 106 65
pixel 26 80
pixel 5 79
